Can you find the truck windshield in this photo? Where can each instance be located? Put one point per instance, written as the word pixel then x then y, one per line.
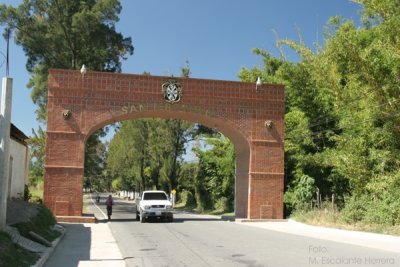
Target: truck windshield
pixel 154 196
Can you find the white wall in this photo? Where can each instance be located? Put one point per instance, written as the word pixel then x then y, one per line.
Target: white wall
pixel 19 172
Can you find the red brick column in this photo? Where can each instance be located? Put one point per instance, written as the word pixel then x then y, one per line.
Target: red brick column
pixel 265 196
pixel 65 146
pixel 64 173
pixel 266 176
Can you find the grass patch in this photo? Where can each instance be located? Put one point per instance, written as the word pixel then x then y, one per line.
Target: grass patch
pixel 220 212
pixel 41 224
pixel 86 204
pixel 14 255
pixel 334 219
pixel 36 194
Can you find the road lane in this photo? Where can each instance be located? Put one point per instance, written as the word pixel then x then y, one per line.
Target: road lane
pixel 194 240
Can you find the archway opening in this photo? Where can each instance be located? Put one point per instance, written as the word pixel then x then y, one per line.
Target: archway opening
pixel 205 161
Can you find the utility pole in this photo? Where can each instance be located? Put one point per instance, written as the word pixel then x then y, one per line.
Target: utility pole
pixel 5 121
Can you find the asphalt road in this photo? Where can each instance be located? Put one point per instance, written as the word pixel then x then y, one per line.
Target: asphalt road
pixel 194 240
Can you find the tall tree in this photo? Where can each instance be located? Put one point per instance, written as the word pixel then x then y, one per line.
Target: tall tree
pixel 65 34
pixel 148 151
pixel 128 154
pixel 95 159
pixel 37 146
pixel 174 141
pixel 214 182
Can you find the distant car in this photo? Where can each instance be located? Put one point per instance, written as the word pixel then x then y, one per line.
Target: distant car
pixel 154 204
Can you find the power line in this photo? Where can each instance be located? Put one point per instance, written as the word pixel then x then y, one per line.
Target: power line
pixel 8 53
pixel 319 123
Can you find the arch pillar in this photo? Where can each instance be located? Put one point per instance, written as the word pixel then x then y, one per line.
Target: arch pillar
pixel 265 196
pixel 266 179
pixel 64 173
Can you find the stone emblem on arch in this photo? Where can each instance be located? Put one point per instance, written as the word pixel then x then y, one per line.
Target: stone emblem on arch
pixel 172 91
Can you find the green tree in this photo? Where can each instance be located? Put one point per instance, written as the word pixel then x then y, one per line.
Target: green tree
pixel 214 182
pixel 341 119
pixel 148 151
pixel 37 145
pixel 301 193
pixel 174 140
pixel 94 162
pixel 65 34
pixel 127 156
pixel 365 63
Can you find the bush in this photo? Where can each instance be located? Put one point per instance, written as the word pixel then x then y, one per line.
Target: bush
pixel 116 184
pixel 187 199
pixel 36 200
pixel 382 210
pixel 14 255
pixel 222 205
pixel 27 193
pixel 385 210
pixel 41 224
pixel 300 194
pixel 355 208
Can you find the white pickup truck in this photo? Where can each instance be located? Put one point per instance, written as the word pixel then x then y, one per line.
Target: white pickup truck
pixel 153 204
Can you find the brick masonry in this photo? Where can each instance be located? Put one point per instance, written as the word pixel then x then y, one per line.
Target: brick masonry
pixel 234 108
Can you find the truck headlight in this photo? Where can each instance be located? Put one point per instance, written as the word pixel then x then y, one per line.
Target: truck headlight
pixel 147 207
pixel 168 207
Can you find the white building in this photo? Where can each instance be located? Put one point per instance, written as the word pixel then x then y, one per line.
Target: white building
pixel 19 163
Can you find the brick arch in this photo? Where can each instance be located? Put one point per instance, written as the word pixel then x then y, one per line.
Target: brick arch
pixel 79 104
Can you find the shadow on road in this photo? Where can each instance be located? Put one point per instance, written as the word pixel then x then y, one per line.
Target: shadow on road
pixel 116 220
pixel 158 220
pixel 192 219
pixel 73 248
pixel 183 220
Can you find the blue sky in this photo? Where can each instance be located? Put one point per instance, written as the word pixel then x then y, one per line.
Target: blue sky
pixel 215 36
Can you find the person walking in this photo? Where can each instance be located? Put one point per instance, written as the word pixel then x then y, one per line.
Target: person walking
pixel 109 204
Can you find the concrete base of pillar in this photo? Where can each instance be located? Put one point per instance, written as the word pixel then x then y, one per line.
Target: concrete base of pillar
pixel 76 219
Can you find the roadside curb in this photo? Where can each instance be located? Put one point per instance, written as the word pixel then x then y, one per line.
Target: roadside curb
pixel 47 253
pixel 24 242
pixel 259 220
